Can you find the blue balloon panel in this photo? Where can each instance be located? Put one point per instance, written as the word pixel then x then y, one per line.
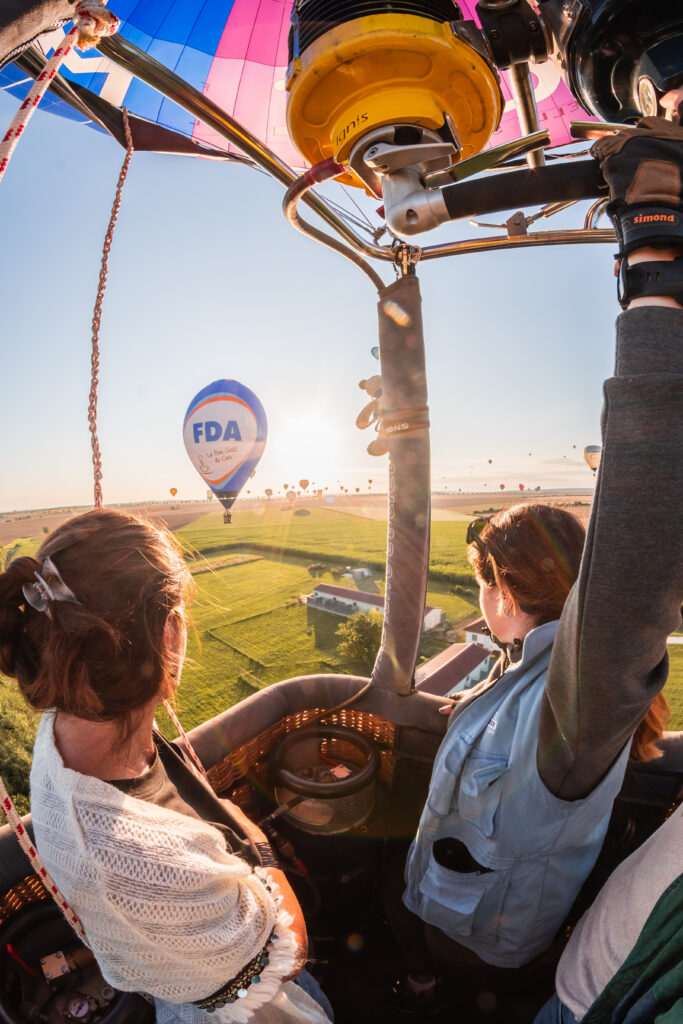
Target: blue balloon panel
pixel 225 431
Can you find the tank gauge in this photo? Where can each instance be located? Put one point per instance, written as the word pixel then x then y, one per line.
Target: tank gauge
pixel 78 1008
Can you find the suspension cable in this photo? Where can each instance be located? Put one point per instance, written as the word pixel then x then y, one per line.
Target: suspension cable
pixel 97 317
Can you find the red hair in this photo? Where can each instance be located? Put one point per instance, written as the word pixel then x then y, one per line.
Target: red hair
pixel 533 555
pixel 105 657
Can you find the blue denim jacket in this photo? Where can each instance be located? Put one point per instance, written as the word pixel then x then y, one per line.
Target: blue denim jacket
pixel 485 791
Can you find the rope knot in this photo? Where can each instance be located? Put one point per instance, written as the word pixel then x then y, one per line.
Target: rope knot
pixel 93 21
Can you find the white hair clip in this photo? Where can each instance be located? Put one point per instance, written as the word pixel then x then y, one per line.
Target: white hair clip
pixel 49 586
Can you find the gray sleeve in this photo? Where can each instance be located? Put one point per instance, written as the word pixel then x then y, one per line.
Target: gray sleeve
pixel 609 659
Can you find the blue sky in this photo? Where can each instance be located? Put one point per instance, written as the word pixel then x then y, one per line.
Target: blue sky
pixel 207 280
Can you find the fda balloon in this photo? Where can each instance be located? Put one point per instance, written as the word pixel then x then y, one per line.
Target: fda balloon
pixel 225 431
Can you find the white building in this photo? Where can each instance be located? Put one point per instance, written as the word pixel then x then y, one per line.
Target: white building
pixel 344 602
pixel 457 668
pixel 474 635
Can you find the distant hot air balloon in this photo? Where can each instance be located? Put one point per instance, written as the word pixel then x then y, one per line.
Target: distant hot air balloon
pixel 490 461
pixel 357 490
pixel 521 487
pixel 375 352
pixel 537 488
pixel 209 495
pixel 291 497
pixel 269 492
pixel 173 491
pixel 591 456
pixel 502 487
pixel 303 484
pixel 225 432
pixel 285 487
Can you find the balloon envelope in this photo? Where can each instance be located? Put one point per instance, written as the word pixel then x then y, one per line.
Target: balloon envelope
pixel 173 491
pixel 291 496
pixel 235 52
pixel 225 432
pixel 591 455
pixel 303 484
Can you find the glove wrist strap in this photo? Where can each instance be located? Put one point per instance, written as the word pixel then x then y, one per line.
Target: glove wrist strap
pixel 659 227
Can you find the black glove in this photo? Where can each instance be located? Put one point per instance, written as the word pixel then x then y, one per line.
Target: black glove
pixel 644 170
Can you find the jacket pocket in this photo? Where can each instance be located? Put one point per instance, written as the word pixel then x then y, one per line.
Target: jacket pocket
pixel 449 899
pixel 480 790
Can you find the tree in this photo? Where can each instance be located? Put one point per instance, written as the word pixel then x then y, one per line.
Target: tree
pixel 360 637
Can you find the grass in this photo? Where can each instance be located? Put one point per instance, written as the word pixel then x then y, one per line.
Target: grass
pixel 251 630
pixel 673 691
pixel 322 533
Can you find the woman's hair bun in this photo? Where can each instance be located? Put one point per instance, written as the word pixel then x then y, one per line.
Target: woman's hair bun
pixel 17 652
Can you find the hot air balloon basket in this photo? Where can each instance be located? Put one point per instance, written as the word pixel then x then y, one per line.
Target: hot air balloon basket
pixel 248 765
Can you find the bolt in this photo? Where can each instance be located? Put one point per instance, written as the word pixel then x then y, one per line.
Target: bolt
pixel 48 975
pixel 533 25
pixel 373 151
pixel 495 34
pixel 64 969
pixel 59 954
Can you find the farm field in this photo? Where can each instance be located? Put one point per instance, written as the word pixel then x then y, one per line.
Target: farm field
pixel 251 630
pixel 321 533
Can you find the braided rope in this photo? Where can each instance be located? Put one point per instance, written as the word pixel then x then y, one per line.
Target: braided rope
pixel 14 822
pixel 190 749
pixel 92 21
pixel 97 318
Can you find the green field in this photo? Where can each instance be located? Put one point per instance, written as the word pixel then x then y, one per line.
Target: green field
pixel 323 533
pixel 251 630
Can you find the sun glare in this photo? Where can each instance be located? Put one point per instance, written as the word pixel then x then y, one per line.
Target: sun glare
pixel 304 445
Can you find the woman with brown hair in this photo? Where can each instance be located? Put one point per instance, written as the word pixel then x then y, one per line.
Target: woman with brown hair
pixel 178 892
pixel 523 784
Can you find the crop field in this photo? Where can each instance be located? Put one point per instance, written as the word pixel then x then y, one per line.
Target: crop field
pixel 322 533
pixel 250 627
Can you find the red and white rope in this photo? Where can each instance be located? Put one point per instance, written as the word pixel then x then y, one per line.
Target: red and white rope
pixel 183 735
pixel 24 840
pixel 97 318
pixel 92 21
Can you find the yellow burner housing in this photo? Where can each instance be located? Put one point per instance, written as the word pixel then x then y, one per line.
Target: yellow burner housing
pixel 388 69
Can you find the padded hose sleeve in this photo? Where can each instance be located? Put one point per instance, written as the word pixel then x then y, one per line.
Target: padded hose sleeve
pixel 515 190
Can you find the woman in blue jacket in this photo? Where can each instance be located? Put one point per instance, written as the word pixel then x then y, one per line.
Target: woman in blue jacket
pixel 524 781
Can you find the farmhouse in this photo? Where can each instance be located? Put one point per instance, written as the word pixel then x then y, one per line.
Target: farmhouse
pixel 457 668
pixel 340 601
pixel 474 634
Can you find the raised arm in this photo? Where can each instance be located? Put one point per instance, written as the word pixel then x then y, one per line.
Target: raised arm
pixel 609 658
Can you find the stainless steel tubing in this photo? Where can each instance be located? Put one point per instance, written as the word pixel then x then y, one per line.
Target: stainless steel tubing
pixel 527 111
pixel 538 238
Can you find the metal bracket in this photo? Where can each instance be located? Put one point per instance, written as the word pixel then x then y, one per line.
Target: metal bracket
pixel 406 256
pixel 366 157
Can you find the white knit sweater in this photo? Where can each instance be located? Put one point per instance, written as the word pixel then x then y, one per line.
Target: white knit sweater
pixel 166 909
